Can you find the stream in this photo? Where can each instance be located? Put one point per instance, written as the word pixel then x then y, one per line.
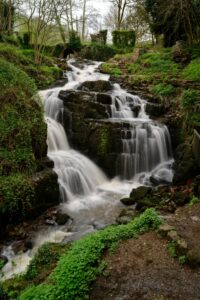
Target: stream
pixel 86 194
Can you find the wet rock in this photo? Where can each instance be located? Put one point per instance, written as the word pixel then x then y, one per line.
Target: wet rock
pixel 18 246
pixel 61 218
pixel 193 258
pixel 184 166
pixel 59 83
pixel 155 110
pixel 28 244
pixel 127 201
pixel 100 86
pixel 104 98
pixel 126 216
pixel 140 193
pixel 46 190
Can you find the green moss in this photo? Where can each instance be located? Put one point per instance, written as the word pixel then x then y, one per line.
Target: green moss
pixel 103 142
pixel 192 71
pixel 80 265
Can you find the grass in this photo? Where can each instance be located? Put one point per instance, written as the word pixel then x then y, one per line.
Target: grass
pixel 192 71
pixel 163 90
pixel 78 268
pixel 43 75
pixel 111 69
pixel 154 64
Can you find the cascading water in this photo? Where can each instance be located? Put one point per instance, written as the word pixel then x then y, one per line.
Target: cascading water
pixel 77 175
pixel 146 145
pixel 90 200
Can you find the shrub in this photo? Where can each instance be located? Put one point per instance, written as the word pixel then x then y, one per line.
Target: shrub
pixel 97 52
pixel 124 38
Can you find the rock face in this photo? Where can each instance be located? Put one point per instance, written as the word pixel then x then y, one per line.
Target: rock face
pixel 86 123
pixel 46 190
pixel 185 164
pixel 100 86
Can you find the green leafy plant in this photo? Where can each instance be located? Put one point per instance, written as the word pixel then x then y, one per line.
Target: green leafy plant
pixel 194 200
pixel 182 259
pixel 171 248
pixel 80 265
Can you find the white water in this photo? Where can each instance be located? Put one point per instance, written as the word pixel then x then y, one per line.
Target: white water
pixel 86 194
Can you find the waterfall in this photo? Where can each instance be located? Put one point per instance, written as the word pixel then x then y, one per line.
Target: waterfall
pixel 77 175
pixel 146 145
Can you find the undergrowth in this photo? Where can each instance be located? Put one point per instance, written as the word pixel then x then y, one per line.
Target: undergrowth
pixel 78 268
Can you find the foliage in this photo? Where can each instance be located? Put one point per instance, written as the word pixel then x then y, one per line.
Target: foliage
pixel 45 256
pixel 189 98
pixel 192 71
pixel 111 69
pixel 97 52
pixel 176 20
pixel 25 60
pixel 22 139
pixel 79 266
pixel 40 267
pixel 171 248
pixel 182 259
pixel 11 78
pixel 162 89
pixel 124 38
pixel 74 41
pixel 194 200
pixel 18 194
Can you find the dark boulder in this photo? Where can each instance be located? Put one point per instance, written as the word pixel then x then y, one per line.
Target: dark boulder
pixel 184 166
pixel 100 86
pixel 46 190
pixel 61 218
pixel 140 192
pixel 156 110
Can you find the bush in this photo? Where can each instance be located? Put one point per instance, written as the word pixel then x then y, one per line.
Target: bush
pixel 97 52
pixel 124 38
pixel 74 41
pixel 79 266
